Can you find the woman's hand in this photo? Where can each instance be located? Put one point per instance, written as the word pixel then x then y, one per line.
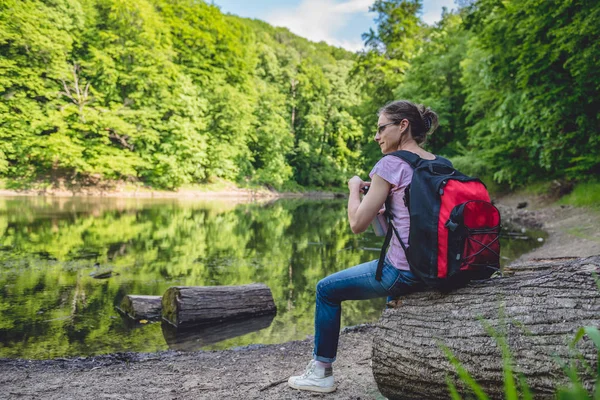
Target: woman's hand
pixel 361 213
pixel 356 184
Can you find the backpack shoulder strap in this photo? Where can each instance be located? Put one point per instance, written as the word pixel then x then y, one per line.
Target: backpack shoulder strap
pixel 411 158
pixel 444 161
pixel 414 160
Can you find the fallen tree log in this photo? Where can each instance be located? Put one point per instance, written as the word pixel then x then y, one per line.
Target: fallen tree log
pixel 141 307
pixel 537 310
pixel 197 337
pixel 184 306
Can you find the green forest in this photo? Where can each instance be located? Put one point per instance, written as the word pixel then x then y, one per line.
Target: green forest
pixel 167 93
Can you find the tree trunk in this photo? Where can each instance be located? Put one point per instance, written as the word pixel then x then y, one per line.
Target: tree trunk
pixel 538 311
pixel 141 307
pixel 197 305
pixel 196 337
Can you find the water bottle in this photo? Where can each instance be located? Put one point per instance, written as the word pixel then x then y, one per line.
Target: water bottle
pixel 379 223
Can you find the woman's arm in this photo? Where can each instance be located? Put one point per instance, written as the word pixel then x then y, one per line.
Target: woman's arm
pixel 360 214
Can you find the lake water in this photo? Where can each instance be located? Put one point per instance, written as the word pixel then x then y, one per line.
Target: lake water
pixel 51 306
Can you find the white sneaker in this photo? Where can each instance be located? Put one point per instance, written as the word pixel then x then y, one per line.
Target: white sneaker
pixel 314 379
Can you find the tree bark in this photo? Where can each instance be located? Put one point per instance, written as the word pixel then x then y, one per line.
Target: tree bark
pixel 538 310
pixel 141 307
pixel 197 305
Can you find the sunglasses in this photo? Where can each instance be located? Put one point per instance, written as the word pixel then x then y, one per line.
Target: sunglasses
pixel 381 128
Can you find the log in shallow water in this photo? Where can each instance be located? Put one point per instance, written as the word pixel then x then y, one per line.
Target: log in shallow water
pixel 142 307
pixel 184 306
pixel 538 309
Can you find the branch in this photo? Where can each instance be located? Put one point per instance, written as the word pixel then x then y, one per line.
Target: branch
pixel 121 139
pixel 270 385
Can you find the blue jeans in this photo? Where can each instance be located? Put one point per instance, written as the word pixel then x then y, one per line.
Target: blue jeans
pixel 356 283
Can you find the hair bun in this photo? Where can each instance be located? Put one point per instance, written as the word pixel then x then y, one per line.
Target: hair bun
pixel 423 121
pixel 428 122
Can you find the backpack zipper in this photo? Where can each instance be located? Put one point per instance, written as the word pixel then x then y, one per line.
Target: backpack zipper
pixel 442 185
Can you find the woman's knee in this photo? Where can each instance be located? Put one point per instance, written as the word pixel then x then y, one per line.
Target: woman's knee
pixel 321 286
pixel 324 289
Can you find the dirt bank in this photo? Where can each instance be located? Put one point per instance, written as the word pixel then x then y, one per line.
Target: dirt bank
pixel 259 372
pixel 221 190
pixel 572 231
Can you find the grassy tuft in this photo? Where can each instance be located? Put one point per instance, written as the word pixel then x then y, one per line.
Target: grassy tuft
pixel 584 195
pixel 515 384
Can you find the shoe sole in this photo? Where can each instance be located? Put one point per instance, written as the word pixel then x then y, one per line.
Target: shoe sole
pixel 313 388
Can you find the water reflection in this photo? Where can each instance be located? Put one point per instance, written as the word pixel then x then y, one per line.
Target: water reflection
pixel 50 306
pixel 198 337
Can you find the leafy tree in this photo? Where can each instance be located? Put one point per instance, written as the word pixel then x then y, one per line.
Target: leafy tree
pixel 532 88
pixel 382 66
pixel 434 79
pixel 35 39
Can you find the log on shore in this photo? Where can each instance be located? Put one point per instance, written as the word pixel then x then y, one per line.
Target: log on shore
pixel 141 307
pixel 197 337
pixel 538 311
pixel 184 306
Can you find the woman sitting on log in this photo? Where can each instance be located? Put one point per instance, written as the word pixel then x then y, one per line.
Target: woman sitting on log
pixel 402 125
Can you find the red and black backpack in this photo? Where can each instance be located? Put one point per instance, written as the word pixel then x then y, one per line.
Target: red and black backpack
pixel 454 228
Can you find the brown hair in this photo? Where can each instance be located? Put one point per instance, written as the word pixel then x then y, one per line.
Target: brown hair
pixel 423 121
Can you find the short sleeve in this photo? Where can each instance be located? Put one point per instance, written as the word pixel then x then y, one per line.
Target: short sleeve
pixel 393 170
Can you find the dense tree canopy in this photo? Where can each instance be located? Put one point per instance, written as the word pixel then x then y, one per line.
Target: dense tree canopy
pixel 517 87
pixel 171 92
pixel 168 93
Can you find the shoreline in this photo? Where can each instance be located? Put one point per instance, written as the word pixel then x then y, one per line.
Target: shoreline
pixel 261 371
pixel 236 193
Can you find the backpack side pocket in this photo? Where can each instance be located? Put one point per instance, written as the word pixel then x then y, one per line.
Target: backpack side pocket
pixel 473 239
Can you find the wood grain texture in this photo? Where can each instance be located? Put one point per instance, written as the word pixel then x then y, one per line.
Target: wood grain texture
pixel 539 312
pixel 196 305
pixel 141 306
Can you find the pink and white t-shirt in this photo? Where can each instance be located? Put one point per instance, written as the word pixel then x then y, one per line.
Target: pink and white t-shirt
pixel 398 173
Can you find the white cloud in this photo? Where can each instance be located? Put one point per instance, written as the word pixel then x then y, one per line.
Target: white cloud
pixel 353 6
pixel 352 45
pixel 328 20
pixel 320 20
pixel 432 10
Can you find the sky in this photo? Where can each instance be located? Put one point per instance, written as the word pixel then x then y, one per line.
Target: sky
pixel 337 22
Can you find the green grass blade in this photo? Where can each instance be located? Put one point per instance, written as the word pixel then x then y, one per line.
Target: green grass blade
pixel 464 375
pixel 564 394
pixel 597 279
pixel 510 387
pixel 526 393
pixel 577 338
pixel 594 334
pixel 576 389
pixel 452 389
pixel 591 331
